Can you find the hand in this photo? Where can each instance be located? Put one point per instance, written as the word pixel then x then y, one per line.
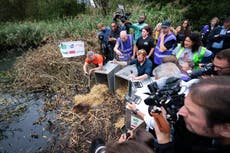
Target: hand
pixel 162 137
pixel 86 73
pixel 132 106
pixel 115 61
pixel 131 135
pixel 90 71
pixel 207 76
pixel 118 53
pixel 132 76
pixel 162 36
pixel 122 138
pixel 132 57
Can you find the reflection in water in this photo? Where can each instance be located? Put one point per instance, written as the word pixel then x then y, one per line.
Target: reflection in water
pixel 27 131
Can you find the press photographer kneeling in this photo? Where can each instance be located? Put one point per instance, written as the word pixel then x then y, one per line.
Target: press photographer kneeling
pixel 219 66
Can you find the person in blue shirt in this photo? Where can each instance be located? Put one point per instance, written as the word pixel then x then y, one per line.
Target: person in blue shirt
pixel 143 64
pixel 103 36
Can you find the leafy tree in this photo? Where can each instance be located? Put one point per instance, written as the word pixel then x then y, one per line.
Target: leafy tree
pixel 200 12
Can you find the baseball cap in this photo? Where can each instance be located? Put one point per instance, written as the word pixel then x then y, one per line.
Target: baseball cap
pixel 166 24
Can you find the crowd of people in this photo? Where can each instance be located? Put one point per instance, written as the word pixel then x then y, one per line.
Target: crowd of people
pixel 204 119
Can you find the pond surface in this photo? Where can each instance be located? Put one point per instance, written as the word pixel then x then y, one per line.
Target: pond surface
pixel 24 126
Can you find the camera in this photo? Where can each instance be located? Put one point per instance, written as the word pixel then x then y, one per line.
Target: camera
pixel 166 97
pixel 206 69
pixel 101 37
pixel 97 146
pixel 122 15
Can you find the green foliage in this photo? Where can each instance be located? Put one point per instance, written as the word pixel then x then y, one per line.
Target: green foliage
pixel 154 14
pixel 20 35
pixel 30 34
pixel 201 12
pixel 12 10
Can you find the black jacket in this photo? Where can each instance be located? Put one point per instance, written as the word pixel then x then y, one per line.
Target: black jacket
pixel 225 38
pixel 187 142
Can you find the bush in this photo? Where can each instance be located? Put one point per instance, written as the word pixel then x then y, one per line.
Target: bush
pixel 20 35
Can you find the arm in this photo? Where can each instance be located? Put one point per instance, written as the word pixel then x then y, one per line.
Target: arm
pixel 162 46
pixel 122 63
pixel 85 68
pixel 116 49
pixel 96 68
pixel 150 53
pixel 133 107
pixel 207 56
pixel 135 49
pixel 175 31
pixel 214 35
pixel 226 36
pixel 112 38
pixel 133 26
pixel 142 77
pixel 134 54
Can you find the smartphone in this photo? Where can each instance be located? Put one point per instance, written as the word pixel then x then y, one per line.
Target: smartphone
pixel 124 130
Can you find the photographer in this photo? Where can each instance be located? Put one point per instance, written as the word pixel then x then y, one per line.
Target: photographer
pixel 204 126
pixel 219 66
pixel 222 62
pixel 123 23
pixel 103 35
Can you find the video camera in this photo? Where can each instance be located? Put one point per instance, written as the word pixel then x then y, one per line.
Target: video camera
pixel 166 97
pixel 206 69
pixel 101 37
pixel 122 15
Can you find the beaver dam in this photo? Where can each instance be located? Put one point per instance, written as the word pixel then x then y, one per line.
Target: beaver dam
pixel 49 108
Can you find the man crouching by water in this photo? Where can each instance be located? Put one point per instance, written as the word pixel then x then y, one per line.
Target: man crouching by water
pixel 94 58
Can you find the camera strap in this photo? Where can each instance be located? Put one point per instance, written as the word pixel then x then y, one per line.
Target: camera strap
pixel 98 150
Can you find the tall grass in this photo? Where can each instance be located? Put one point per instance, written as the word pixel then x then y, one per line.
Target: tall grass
pixel 29 34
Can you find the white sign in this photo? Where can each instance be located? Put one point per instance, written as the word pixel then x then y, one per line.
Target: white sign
pixel 121 7
pixel 135 122
pixel 72 48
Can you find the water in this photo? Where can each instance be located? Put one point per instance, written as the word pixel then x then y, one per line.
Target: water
pixel 8 58
pixel 24 132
